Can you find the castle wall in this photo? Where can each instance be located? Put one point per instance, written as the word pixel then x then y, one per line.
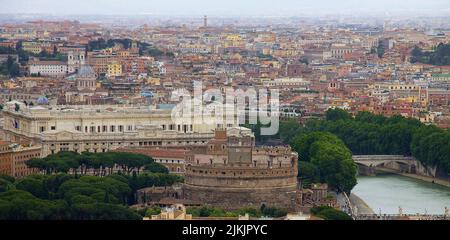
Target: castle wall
pixel 237 198
pixel 245 177
pixel 234 186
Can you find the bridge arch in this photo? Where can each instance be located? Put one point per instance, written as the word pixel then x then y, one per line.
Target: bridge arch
pixel 380 160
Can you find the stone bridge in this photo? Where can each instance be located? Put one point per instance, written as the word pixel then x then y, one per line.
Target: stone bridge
pixel 367 164
pixel 378 160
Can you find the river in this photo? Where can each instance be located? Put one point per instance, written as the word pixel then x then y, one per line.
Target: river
pixel 386 192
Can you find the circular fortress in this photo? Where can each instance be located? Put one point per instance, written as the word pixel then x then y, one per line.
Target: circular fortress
pixel 231 173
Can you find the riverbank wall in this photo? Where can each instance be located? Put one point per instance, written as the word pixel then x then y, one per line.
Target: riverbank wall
pixel 434 180
pixel 362 207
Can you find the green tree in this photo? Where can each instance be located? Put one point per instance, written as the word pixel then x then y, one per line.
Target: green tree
pixel 325 158
pixel 337 114
pixel 302 143
pixel 156 168
pixel 22 205
pixel 329 213
pixel 308 173
pixel 440 56
pixel 335 165
pixel 288 130
pixel 380 51
pixel 154 210
pixel 34 185
pixel 6 183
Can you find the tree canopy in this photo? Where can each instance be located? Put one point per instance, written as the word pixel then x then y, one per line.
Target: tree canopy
pixel 10 68
pixel 101 195
pixel 371 134
pixel 63 196
pixel 364 134
pixel 101 163
pixel 101 43
pixel 329 213
pixel 440 56
pixel 325 159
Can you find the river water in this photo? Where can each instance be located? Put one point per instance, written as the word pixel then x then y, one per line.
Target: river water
pixel 386 192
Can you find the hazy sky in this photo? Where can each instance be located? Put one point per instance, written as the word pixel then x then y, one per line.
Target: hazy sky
pixel 217 7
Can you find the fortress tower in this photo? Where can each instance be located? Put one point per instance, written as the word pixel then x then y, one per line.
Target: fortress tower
pixel 231 173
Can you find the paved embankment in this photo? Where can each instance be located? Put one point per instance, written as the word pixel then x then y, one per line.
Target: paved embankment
pixel 362 206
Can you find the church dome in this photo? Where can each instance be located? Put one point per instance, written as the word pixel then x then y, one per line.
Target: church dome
pixel 42 100
pixel 86 71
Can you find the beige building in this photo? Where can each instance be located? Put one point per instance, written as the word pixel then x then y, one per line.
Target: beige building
pixel 114 69
pixel 48 68
pixel 33 47
pixel 176 212
pixel 100 128
pixel 13 158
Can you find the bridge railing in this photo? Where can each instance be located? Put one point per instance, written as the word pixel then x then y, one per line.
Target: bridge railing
pixel 381 157
pixel 403 216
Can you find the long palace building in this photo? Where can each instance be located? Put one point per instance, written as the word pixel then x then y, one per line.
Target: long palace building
pixel 99 128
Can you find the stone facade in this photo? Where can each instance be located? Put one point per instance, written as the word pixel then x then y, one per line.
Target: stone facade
pixel 99 128
pixel 237 198
pixel 229 172
pixel 48 68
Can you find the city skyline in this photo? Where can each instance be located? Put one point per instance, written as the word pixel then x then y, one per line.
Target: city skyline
pixel 226 8
pixel 225 110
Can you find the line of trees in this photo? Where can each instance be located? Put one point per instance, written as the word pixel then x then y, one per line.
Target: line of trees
pixel 144 48
pixel 286 132
pixel 63 196
pixel 100 164
pixel 439 56
pixel 368 133
pixel 150 50
pixel 364 134
pixel 50 56
pixel 101 43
